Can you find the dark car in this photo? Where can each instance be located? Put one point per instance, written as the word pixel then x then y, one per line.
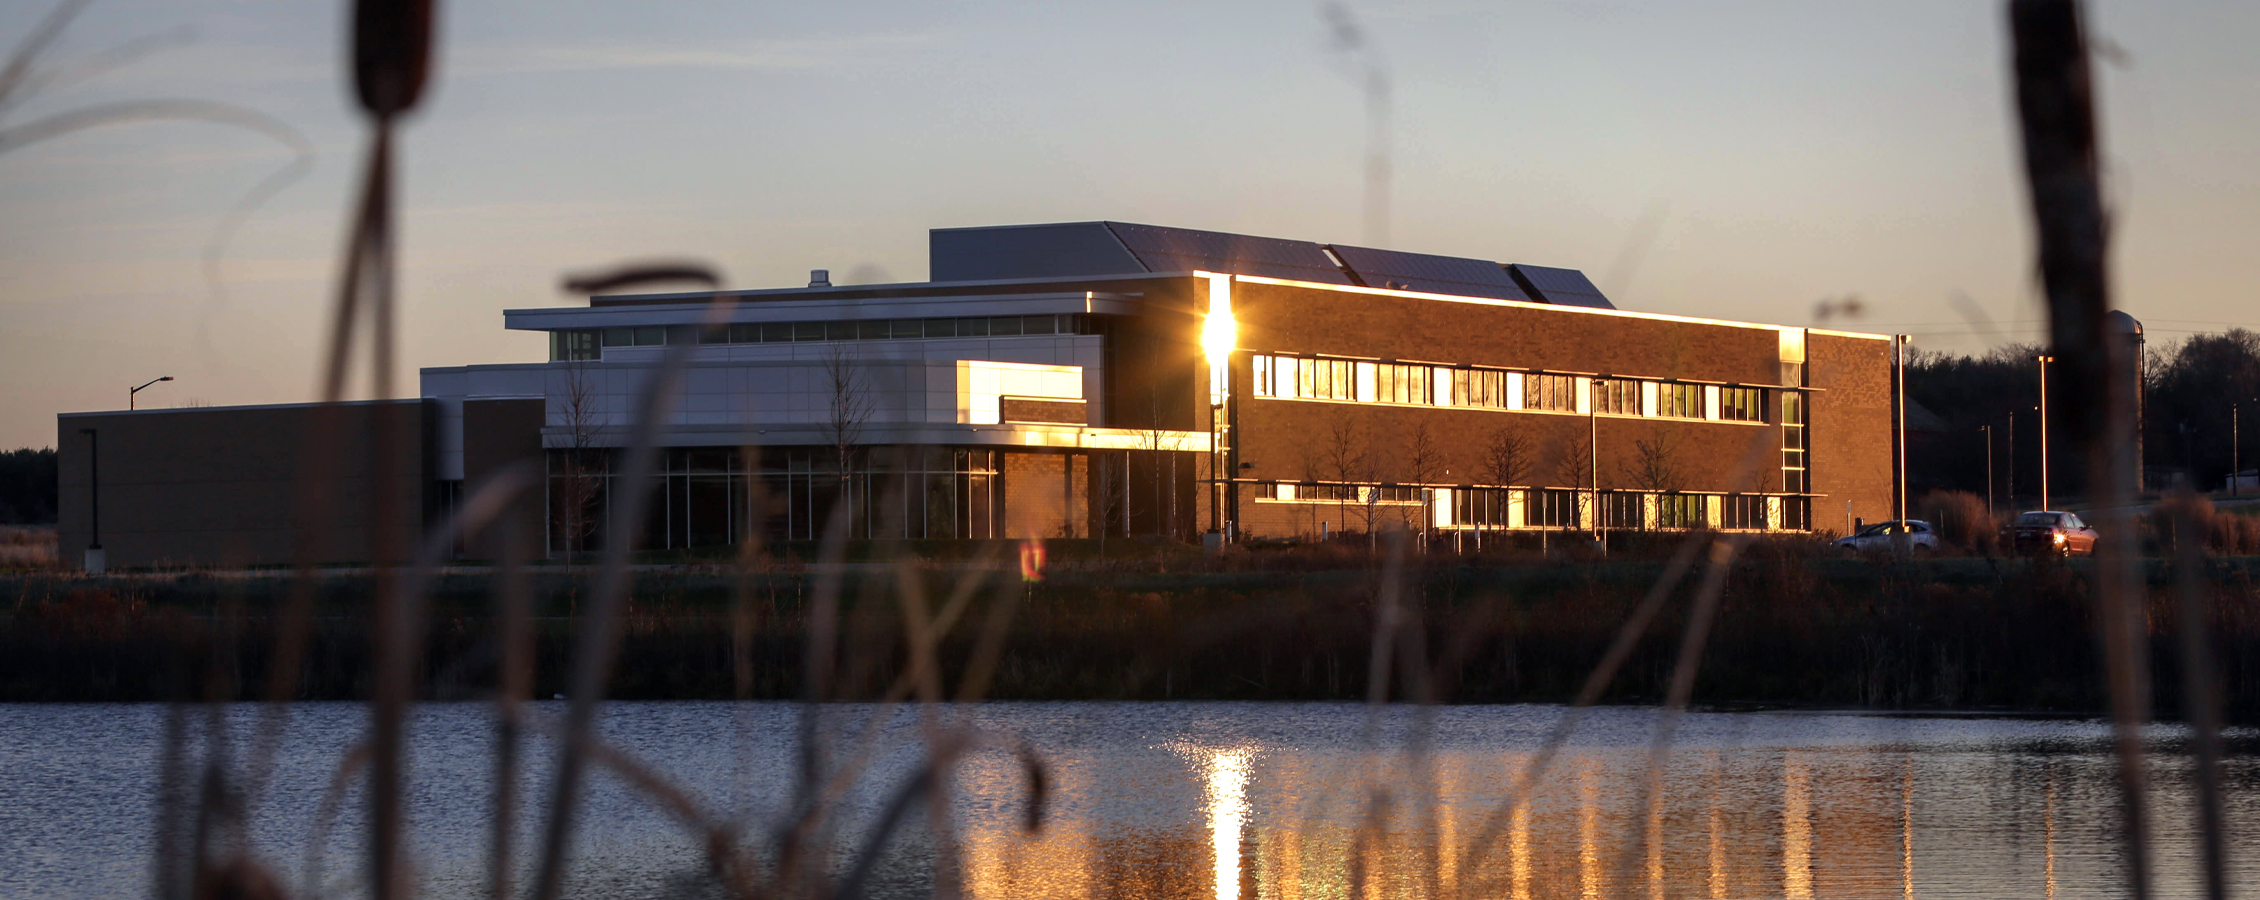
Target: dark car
pixel 2051 532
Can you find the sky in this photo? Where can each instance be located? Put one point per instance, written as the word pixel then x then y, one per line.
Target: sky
pixel 1744 160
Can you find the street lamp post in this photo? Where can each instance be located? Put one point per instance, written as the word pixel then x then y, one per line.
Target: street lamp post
pixel 96 560
pixel 2012 479
pixel 129 394
pixel 1593 453
pixel 1899 387
pixel 1988 429
pixel 2044 361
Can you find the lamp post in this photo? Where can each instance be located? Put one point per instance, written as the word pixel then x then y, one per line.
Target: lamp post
pixel 1899 438
pixel 2044 361
pixel 96 560
pixel 1988 429
pixel 2012 479
pixel 129 394
pixel 1593 452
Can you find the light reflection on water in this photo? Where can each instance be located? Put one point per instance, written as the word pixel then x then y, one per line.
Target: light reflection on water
pixel 1228 801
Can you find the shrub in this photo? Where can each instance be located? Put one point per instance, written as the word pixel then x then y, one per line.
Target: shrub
pixel 2226 534
pixel 1961 520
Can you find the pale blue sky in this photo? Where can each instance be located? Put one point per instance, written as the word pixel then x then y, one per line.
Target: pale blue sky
pixel 1736 160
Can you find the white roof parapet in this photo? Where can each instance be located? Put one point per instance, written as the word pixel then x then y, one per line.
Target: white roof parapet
pixel 1061 437
pixel 823 310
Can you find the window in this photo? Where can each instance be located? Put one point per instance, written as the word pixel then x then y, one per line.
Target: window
pixel 1261 375
pixel 1554 392
pixel 1742 511
pixel 1616 396
pixel 1681 401
pixel 1551 509
pixel 641 336
pixel 573 346
pixel 1797 513
pixel 1479 387
pixel 1480 508
pixel 1742 404
pixel 1679 511
pixel 1795 477
pixel 1326 379
pixel 1621 510
pixel 1399 383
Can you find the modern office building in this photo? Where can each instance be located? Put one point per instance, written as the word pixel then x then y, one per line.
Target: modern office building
pixel 1076 380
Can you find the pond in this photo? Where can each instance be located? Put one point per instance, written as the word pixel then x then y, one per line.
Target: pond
pixel 1276 801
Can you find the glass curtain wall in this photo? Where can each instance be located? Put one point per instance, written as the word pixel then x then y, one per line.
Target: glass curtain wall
pixel 710 498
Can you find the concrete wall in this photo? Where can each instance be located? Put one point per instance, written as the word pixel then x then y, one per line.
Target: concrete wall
pixel 222 486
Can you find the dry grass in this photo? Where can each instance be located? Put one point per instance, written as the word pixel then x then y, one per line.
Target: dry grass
pixel 29 547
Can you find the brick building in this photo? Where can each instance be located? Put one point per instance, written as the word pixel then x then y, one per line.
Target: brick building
pixel 1072 380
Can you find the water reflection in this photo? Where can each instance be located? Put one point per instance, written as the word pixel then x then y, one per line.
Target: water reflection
pixel 1796 829
pixel 1227 790
pixel 1192 801
pixel 1821 807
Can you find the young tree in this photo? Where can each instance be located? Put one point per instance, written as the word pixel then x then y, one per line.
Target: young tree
pixel 1349 464
pixel 1574 467
pixel 580 483
pixel 849 408
pixel 1654 465
pixel 1424 464
pixel 1507 457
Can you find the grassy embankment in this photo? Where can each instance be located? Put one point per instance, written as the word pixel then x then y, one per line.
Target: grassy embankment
pixel 1797 627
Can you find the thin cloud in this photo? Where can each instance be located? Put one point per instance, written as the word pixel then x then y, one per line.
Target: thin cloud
pixel 804 53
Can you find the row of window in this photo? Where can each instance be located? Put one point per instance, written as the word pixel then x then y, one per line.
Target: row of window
pixel 586 344
pixel 1304 378
pixel 1566 508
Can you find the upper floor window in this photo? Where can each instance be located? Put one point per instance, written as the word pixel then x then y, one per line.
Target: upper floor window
pixel 1479 387
pixel 1326 379
pixel 1684 401
pixel 1616 396
pixel 573 346
pixel 1554 392
pixel 1742 404
pixel 1399 383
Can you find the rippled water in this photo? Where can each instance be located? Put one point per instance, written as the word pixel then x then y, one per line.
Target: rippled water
pixel 1210 800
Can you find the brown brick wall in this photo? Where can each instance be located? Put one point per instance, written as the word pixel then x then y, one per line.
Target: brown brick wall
pixel 1852 428
pixel 1297 440
pixel 1274 318
pixel 219 487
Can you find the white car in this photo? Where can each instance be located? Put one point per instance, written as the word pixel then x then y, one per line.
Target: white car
pixel 1915 535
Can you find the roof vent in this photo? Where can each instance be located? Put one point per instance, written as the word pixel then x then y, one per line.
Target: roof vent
pixel 819 278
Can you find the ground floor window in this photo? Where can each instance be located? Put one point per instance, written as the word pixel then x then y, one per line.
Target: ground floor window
pixel 718 497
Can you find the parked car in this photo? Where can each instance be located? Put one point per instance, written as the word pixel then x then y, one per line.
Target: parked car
pixel 2050 531
pixel 1915 535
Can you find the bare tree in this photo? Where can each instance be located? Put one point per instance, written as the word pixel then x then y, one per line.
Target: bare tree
pixel 1424 464
pixel 1507 457
pixel 850 408
pixel 580 484
pixel 1654 465
pixel 1349 463
pixel 1575 468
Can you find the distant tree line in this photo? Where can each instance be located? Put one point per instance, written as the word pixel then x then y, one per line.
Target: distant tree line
pixel 2194 391
pixel 27 487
